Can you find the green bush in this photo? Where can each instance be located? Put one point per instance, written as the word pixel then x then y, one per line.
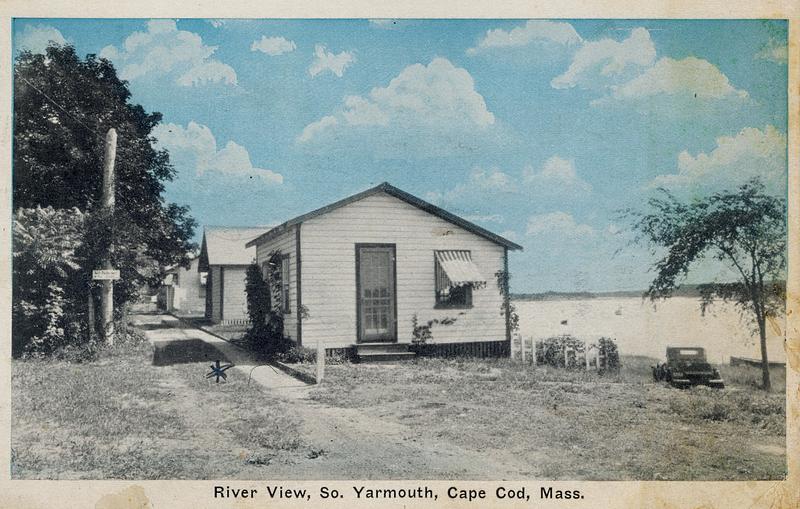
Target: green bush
pixel 47 312
pixel 265 336
pixel 608 349
pixel 297 354
pixel 550 351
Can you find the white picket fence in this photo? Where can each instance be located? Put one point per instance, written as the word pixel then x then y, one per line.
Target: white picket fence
pixel 592 354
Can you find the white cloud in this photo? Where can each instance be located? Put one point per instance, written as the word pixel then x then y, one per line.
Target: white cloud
pixel 750 153
pixel 491 180
pixel 558 175
pixel 212 71
pixel 689 77
pixel 165 50
pixel 600 62
pixel 531 32
pixel 774 51
pixel 558 223
pixel 481 186
pixel 555 183
pixel 327 61
pixel 273 46
pixel 35 38
pixel 195 146
pixel 438 96
pixel 311 130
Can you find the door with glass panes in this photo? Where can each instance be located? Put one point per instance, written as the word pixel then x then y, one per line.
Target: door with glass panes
pixel 375 285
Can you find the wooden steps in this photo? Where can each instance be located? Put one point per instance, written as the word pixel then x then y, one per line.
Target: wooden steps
pixel 383 352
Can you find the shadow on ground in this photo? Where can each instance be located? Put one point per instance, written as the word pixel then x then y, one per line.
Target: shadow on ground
pixel 168 353
pixel 153 326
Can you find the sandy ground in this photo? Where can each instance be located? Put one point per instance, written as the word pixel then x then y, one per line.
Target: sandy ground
pixel 345 443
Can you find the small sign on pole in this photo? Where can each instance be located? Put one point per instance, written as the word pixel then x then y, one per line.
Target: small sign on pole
pixel 105 274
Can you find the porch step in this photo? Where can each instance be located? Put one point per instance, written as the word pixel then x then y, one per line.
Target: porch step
pixel 383 352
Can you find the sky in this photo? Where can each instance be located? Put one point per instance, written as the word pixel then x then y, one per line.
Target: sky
pixel 538 130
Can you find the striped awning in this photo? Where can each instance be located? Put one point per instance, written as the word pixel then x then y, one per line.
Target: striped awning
pixel 458 269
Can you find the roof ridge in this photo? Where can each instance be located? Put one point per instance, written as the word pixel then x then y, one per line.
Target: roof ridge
pixel 400 195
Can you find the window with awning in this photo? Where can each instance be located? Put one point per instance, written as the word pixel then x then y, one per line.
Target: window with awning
pixel 456 275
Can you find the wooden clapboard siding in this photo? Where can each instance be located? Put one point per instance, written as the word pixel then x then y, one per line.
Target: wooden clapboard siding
pixel 215 275
pixel 327 245
pixel 285 245
pixel 234 305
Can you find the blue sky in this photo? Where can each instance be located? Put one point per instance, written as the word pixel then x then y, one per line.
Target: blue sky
pixel 538 130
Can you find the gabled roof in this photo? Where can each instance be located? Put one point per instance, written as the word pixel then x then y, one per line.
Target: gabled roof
pixel 399 194
pixel 225 245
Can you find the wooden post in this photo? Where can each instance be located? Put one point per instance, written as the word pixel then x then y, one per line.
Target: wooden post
pixel 90 313
pixel 107 204
pixel 522 348
pixel 511 346
pixel 320 360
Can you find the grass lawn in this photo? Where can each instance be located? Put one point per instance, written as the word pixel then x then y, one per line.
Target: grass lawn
pixel 133 415
pixel 578 425
pixel 123 417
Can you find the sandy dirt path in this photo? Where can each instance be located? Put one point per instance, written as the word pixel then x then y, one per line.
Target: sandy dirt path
pixel 342 443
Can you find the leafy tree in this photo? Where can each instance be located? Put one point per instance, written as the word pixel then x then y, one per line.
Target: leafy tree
pixel 46 268
pixel 745 229
pixel 63 106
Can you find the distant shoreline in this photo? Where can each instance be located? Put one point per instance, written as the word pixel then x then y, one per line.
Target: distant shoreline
pixel 692 290
pixel 684 291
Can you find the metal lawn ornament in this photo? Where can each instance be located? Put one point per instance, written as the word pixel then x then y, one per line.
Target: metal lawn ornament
pixel 219 371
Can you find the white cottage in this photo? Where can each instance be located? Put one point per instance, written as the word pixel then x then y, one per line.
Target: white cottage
pixel 224 258
pixel 356 273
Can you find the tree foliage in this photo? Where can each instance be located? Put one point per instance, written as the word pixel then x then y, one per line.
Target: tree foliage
pixel 265 335
pixel 258 296
pixel 744 229
pixel 63 106
pixel 47 268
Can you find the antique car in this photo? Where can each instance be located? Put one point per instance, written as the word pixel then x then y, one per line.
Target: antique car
pixel 687 366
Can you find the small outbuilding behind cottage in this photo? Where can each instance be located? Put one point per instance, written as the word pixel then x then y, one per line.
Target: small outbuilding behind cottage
pixel 183 290
pixel 225 257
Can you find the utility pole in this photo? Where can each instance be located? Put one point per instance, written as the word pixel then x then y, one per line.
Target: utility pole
pixel 107 206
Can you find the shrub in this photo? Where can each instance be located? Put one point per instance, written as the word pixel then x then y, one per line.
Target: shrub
pixel 265 335
pixel 258 297
pixel 422 334
pixel 297 354
pixel 550 351
pixel 47 311
pixel 608 349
